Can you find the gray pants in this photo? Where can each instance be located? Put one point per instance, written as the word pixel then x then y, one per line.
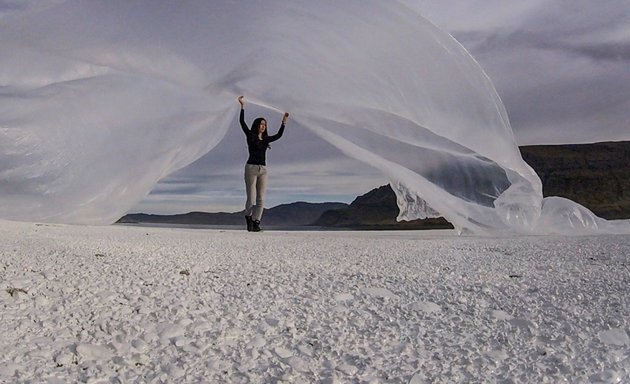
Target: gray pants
pixel 255 185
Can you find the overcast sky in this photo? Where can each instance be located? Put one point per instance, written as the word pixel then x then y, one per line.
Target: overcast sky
pixel 561 67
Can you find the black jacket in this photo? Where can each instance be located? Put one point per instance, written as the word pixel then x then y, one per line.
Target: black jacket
pixel 257 148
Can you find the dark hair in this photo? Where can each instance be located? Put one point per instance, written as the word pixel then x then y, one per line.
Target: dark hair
pixel 256 125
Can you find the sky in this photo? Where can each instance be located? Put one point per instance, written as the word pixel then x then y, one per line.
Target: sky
pixel 561 67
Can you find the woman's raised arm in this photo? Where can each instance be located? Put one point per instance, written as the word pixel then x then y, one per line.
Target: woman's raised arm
pixel 244 126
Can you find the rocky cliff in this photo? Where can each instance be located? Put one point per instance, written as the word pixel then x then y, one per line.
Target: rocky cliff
pixel 594 175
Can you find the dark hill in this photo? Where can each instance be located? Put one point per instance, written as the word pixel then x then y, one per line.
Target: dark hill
pixel 299 213
pixel 376 209
pixel 594 175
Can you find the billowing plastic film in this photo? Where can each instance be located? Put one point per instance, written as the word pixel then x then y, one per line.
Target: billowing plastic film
pixel 101 99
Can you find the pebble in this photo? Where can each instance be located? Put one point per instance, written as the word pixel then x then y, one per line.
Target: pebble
pixel 615 336
pixel 93 352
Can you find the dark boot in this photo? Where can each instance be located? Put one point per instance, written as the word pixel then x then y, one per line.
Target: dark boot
pixel 250 223
pixel 256 226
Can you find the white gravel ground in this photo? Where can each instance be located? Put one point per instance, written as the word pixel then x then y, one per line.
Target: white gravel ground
pixel 151 305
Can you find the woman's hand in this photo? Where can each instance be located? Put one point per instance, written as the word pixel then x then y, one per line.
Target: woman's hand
pixel 285 117
pixel 241 101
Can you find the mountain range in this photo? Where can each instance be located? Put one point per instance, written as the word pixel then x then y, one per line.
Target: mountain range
pixel 293 214
pixel 594 175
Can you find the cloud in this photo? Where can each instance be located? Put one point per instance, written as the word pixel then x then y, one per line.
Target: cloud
pixel 15 7
pixel 560 67
pixel 337 178
pixel 602 51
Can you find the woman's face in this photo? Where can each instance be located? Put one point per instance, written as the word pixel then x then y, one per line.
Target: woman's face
pixel 262 127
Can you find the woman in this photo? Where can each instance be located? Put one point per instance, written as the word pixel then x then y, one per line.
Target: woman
pixel 256 168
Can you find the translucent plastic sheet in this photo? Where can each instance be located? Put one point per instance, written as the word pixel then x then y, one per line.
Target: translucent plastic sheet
pixel 101 99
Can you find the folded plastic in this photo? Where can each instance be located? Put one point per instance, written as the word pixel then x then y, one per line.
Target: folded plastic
pixel 101 99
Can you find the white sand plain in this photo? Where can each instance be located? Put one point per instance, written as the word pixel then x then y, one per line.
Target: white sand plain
pixel 157 305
